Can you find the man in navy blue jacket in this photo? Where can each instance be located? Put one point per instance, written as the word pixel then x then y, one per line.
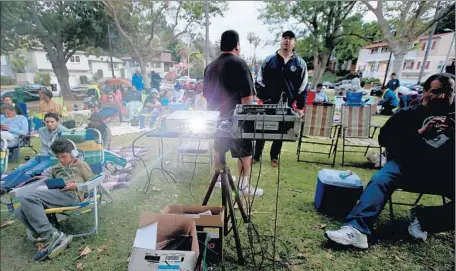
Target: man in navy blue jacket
pixel 282 72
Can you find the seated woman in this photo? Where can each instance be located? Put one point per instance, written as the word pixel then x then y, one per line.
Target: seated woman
pixel 47 105
pixel 9 100
pixel 12 125
pixel 36 165
pixel 153 106
pixel 31 211
pixel 112 102
pixel 96 122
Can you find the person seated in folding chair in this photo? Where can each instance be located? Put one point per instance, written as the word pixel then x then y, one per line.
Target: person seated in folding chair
pixel 389 102
pixel 420 141
pixel 31 211
pixel 153 106
pixel 9 100
pixel 320 95
pixel 12 126
pixel 36 165
pixel 178 94
pixel 96 122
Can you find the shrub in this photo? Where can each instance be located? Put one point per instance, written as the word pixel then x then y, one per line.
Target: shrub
pixel 43 78
pixel 84 79
pixel 98 75
pixel 342 73
pixel 6 80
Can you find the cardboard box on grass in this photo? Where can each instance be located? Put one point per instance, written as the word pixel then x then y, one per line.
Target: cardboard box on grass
pixel 156 228
pixel 211 224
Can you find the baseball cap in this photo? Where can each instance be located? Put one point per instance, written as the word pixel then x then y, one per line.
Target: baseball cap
pixel 289 34
pixel 96 117
pixel 154 90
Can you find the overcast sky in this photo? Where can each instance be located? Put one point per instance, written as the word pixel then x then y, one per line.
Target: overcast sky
pixel 242 17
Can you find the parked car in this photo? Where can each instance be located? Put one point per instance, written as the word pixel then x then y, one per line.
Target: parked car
pixel 188 85
pixel 376 91
pixel 328 85
pixel 199 86
pixel 28 96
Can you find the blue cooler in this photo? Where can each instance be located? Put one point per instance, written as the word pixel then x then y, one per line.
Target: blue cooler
pixel 336 196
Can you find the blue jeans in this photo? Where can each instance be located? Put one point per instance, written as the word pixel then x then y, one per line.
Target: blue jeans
pixel 383 184
pixel 26 171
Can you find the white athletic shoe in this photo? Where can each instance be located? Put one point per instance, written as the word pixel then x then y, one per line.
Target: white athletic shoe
pixel 348 236
pixel 218 184
pixel 414 228
pixel 251 192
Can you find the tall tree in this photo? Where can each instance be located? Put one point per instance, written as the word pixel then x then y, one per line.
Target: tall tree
pixel 143 24
pixel 356 35
pixel 403 22
pixel 256 42
pixel 446 22
pixel 322 19
pixel 60 27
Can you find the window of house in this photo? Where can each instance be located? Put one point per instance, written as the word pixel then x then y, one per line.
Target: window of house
pixel 423 45
pixel 71 58
pixel 116 66
pixel 428 63
pixel 418 65
pixel 77 59
pixel 439 67
pixel 433 45
pixel 374 50
pixel 166 66
pixel 47 57
pixel 403 66
pixel 156 64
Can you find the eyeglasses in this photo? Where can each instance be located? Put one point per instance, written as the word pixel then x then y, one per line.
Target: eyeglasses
pixel 444 90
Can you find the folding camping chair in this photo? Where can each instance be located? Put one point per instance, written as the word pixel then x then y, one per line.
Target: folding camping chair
pixel 318 126
pixel 356 125
pixel 3 156
pixel 133 110
pixel 89 144
pixel 195 147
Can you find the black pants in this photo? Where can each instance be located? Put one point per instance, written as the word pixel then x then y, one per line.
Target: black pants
pixel 387 110
pixel 275 149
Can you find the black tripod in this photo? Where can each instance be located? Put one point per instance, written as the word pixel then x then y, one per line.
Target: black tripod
pixel 228 187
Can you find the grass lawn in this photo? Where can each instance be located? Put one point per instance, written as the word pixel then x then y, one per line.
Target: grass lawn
pixel 300 244
pixel 327 77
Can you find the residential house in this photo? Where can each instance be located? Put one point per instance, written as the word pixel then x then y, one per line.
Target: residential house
pixel 103 64
pixel 161 64
pixel 6 69
pixel 373 59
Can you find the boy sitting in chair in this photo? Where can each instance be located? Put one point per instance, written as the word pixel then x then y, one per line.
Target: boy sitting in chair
pixel 32 207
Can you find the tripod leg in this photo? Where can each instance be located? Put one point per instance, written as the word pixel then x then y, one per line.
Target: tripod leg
pixel 237 198
pixel 211 188
pixel 227 195
pixel 225 188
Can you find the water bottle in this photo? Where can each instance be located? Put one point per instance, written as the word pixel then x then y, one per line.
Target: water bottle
pixel 255 100
pixel 345 174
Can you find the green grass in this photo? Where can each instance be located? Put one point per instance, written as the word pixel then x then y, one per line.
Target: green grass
pixel 301 243
pixel 327 77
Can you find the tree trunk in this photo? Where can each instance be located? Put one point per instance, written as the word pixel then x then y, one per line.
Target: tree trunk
pixel 318 73
pixel 145 77
pixel 62 77
pixel 398 62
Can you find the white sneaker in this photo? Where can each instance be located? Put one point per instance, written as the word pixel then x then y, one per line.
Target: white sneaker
pixel 252 192
pixel 414 228
pixel 218 184
pixel 348 236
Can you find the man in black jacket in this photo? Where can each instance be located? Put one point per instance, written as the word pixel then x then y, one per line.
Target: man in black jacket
pixel 282 76
pixel 420 141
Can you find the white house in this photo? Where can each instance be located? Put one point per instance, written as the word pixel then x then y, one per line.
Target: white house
pixel 373 59
pixel 79 64
pixel 162 64
pixel 103 63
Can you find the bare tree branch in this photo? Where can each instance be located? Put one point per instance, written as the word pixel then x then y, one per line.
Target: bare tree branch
pixel 154 21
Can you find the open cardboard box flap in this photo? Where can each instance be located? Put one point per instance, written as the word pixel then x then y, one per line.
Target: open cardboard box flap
pixel 170 225
pixel 215 220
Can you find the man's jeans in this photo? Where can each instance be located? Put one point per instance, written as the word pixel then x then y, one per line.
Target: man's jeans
pixel 26 171
pixel 275 149
pixel 383 184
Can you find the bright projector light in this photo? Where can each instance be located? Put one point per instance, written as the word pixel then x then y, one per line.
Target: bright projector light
pixel 197 126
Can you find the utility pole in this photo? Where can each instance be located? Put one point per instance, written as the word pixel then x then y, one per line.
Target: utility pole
pixel 206 42
pixel 428 46
pixel 387 69
pixel 110 52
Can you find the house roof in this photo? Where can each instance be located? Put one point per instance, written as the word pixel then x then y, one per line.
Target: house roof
pixel 104 59
pixel 384 43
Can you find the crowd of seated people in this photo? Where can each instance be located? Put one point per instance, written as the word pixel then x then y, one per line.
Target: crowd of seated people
pixel 36 165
